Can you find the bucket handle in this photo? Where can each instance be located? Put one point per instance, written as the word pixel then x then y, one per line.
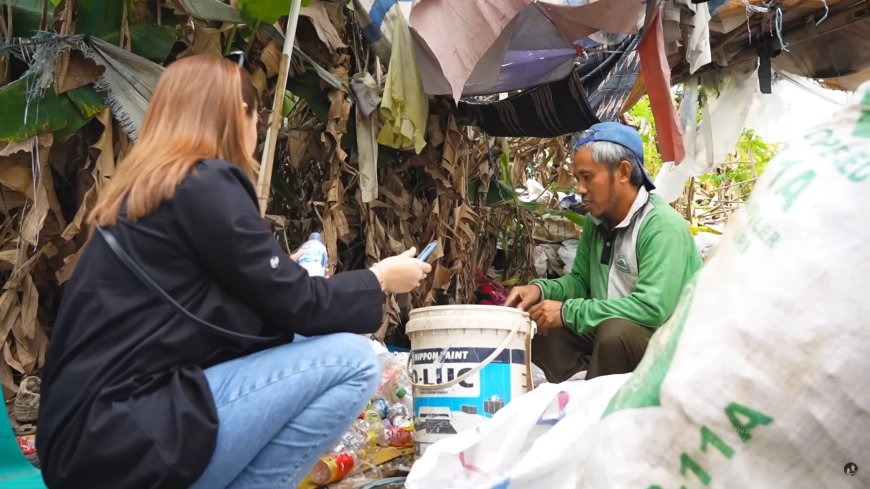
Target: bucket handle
pixel 484 363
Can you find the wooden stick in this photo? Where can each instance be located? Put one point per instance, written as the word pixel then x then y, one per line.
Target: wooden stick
pixel 264 183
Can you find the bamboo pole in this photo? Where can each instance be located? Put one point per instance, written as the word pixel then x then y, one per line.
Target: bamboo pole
pixel 264 182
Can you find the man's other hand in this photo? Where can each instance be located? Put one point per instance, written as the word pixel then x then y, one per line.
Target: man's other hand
pixel 523 297
pixel 547 315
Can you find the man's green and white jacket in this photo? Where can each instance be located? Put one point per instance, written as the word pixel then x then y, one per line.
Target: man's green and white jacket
pixel 635 271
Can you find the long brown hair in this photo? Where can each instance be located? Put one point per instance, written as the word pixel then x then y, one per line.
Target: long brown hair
pixel 196 113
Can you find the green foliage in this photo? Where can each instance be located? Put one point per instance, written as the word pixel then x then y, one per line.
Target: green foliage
pixel 212 10
pixel 87 100
pixel 268 11
pixel 100 18
pixel 743 166
pixel 641 116
pixel 151 41
pixel 103 19
pixel 307 86
pixel 49 113
pixel 27 15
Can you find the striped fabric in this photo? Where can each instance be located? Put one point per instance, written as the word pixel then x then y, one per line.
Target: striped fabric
pixel 611 76
pixel 545 111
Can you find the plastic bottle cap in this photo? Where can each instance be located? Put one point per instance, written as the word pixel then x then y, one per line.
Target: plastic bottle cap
pixel 400 392
pixel 316 236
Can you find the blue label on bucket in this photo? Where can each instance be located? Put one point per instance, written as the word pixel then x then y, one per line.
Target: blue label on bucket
pixel 445 411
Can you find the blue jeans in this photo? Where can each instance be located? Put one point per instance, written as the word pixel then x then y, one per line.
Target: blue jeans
pixel 282 408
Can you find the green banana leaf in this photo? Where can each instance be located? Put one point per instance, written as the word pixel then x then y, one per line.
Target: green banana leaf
pixel 499 192
pixel 103 18
pixel 26 15
pixel 151 41
pixel 570 215
pixel 51 113
pixel 100 18
pixel 307 86
pixel 212 10
pixel 87 100
pixel 268 11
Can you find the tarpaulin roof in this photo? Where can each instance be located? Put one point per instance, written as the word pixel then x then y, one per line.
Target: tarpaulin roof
pixel 479 47
pixel 822 40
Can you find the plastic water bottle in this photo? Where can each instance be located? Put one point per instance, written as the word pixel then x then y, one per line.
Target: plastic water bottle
pixel 314 257
pixel 406 399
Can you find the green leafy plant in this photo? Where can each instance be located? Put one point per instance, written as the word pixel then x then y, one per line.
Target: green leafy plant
pixel 641 116
pixel 268 11
pixel 742 168
pixel 745 164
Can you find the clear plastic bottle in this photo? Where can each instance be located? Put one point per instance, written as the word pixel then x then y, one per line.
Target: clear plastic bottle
pixel 393 376
pixel 355 438
pixel 344 458
pixel 406 399
pixel 314 257
pixel 376 434
pixel 397 409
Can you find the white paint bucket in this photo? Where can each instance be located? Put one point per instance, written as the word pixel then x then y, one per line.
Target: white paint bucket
pixel 466 363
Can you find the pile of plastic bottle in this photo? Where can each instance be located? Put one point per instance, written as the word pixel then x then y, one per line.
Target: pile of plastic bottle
pixel 387 421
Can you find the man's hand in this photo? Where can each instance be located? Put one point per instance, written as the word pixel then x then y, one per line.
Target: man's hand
pixel 547 315
pixel 523 297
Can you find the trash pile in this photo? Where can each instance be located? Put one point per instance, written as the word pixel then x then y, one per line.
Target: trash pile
pixel 380 443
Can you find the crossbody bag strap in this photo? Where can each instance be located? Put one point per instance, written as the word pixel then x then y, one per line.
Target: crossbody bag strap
pixel 134 267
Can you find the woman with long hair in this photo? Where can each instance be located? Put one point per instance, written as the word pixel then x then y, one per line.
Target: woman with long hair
pixel 172 360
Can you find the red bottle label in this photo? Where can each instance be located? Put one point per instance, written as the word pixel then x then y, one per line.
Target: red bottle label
pixel 339 466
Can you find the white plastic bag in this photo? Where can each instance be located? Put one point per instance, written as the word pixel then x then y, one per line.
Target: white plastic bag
pixel 567 252
pixel 541 262
pixel 773 389
pixel 760 379
pixel 523 445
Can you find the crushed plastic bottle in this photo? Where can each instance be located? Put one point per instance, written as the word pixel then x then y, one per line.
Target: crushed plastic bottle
pixel 333 467
pixel 397 409
pixel 400 417
pixel 377 435
pixel 381 406
pixel 393 376
pixel 314 257
pixel 387 421
pixel 371 417
pixel 355 438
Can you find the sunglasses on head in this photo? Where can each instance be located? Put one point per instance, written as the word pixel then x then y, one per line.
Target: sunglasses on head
pixel 236 56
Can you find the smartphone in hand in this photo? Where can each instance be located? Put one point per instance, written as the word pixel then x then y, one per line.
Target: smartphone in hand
pixel 424 255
